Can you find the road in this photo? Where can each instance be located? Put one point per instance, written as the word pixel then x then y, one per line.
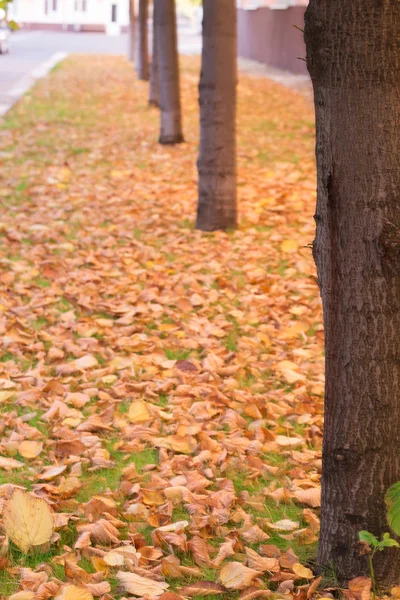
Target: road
pixel 31 50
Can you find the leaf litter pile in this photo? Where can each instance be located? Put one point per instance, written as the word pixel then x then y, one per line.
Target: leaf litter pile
pixel 161 388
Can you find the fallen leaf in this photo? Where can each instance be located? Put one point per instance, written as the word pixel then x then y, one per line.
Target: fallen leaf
pixel 141 586
pixel 235 576
pixel 302 572
pixel 74 592
pixel 28 520
pixel 30 449
pixel 202 589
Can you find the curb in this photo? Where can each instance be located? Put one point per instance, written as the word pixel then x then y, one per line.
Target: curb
pixel 28 81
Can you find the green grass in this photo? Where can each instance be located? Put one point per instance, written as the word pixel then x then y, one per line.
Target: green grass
pixel 98 482
pixel 177 354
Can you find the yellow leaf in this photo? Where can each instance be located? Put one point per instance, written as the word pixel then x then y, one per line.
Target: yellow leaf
pixel 302 572
pixel 30 448
pixel 74 592
pixel 295 330
pixel 235 576
pixel 28 521
pixel 139 412
pixel 23 595
pixel 289 246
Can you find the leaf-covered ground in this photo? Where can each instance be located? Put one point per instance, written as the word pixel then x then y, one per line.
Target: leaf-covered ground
pixel 161 388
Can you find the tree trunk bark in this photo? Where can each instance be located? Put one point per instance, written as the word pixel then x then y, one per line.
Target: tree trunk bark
pixel 154 98
pixel 131 42
pixel 353 50
pixel 168 67
pixel 217 154
pixel 142 44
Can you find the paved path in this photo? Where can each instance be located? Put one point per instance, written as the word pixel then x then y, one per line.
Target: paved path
pixel 33 53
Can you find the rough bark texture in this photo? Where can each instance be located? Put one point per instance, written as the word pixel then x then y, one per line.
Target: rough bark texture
pixel 353 50
pixel 168 67
pixel 154 98
pixel 142 42
pixel 131 42
pixel 217 154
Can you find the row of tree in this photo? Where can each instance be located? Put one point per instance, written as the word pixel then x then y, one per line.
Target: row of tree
pixel 217 87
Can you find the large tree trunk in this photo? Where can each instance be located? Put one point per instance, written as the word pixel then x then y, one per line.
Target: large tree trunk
pixel 154 98
pixel 131 34
pixel 217 155
pixel 168 67
pixel 353 49
pixel 142 42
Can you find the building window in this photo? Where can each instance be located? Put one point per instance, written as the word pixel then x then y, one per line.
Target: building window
pixel 113 13
pixel 54 4
pixel 46 7
pixel 84 6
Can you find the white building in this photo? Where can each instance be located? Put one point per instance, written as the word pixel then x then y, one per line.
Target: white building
pixel 111 16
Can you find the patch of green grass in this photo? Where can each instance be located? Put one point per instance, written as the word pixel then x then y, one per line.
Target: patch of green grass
pixel 98 482
pixel 77 151
pixel 8 583
pixel 39 323
pixel 22 186
pixel 163 400
pixel 8 356
pixel 123 406
pixel 42 282
pixel 177 354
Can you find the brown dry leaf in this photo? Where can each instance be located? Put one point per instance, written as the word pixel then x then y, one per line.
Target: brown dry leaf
pixel 74 592
pixel 50 473
pixel 253 593
pixel 9 463
pixel 99 589
pixel 360 588
pixel 28 520
pixel 141 586
pixel 200 551
pixel 104 532
pixel 202 588
pixel 260 563
pixel 170 596
pixel 311 496
pixel 235 576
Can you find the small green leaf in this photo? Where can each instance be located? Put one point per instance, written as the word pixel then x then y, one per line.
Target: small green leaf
pixel 13 25
pixel 366 536
pixel 389 543
pixel 393 506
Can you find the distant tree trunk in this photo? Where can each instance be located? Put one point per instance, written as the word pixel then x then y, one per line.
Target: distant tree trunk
pixel 168 67
pixel 353 49
pixel 142 43
pixel 154 98
pixel 131 49
pixel 217 155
